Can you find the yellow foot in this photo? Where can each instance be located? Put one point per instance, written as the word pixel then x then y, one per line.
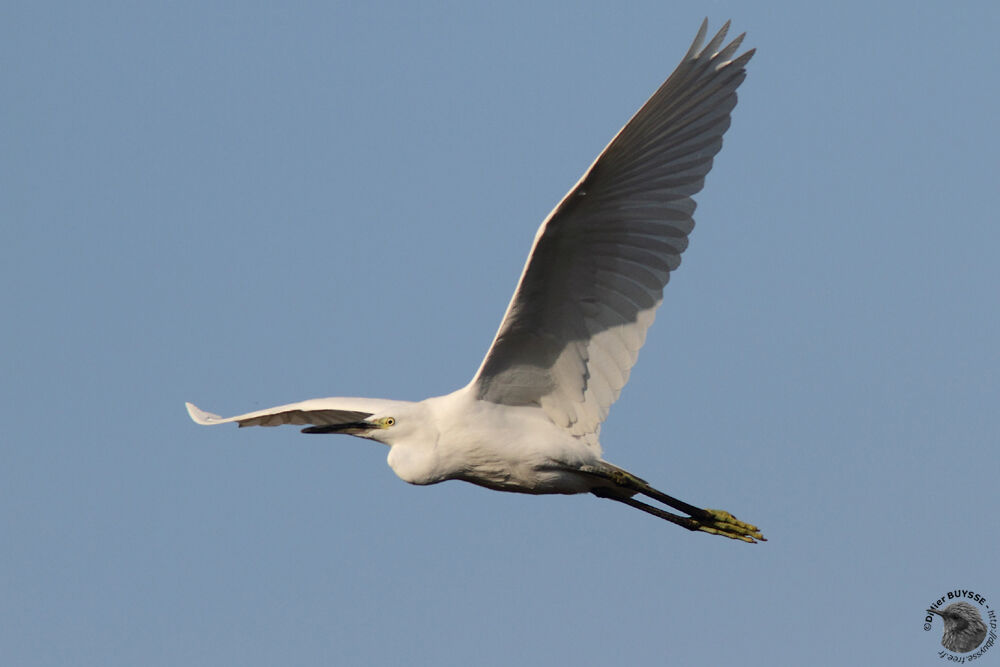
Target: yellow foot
pixel 720 522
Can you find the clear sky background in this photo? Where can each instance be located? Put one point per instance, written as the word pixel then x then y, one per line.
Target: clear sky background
pixel 248 204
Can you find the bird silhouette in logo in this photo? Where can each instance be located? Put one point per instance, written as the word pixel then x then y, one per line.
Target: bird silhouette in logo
pixel 964 629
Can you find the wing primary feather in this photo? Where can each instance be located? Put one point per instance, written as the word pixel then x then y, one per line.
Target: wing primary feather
pixel 698 39
pixel 713 46
pixel 726 53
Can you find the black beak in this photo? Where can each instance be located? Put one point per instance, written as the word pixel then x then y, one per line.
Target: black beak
pixel 350 428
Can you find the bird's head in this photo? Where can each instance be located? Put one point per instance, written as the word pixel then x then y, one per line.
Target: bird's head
pixel 958 615
pixel 964 629
pixel 388 428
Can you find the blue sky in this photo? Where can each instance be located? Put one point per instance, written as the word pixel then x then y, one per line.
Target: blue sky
pixel 246 204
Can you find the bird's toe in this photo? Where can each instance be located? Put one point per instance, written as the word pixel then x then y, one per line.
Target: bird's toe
pixel 720 522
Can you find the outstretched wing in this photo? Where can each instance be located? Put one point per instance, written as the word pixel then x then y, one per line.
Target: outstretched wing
pixel 317 411
pixel 596 272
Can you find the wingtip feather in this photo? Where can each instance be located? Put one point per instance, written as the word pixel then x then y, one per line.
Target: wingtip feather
pixel 713 46
pixel 698 39
pixel 199 416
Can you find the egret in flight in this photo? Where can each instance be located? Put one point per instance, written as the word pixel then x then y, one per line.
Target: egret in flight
pixel 529 420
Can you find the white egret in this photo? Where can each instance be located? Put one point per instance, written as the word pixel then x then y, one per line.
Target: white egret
pixel 529 420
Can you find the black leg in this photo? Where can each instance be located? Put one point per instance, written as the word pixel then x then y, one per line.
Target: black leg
pixel 624 485
pixel 682 521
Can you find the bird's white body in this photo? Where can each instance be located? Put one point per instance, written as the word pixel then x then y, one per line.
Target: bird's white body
pixel 530 419
pixel 459 436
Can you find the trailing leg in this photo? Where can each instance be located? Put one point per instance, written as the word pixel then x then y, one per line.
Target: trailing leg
pixel 715 522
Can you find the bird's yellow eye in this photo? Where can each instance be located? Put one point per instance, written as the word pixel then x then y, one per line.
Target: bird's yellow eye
pixel 388 421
